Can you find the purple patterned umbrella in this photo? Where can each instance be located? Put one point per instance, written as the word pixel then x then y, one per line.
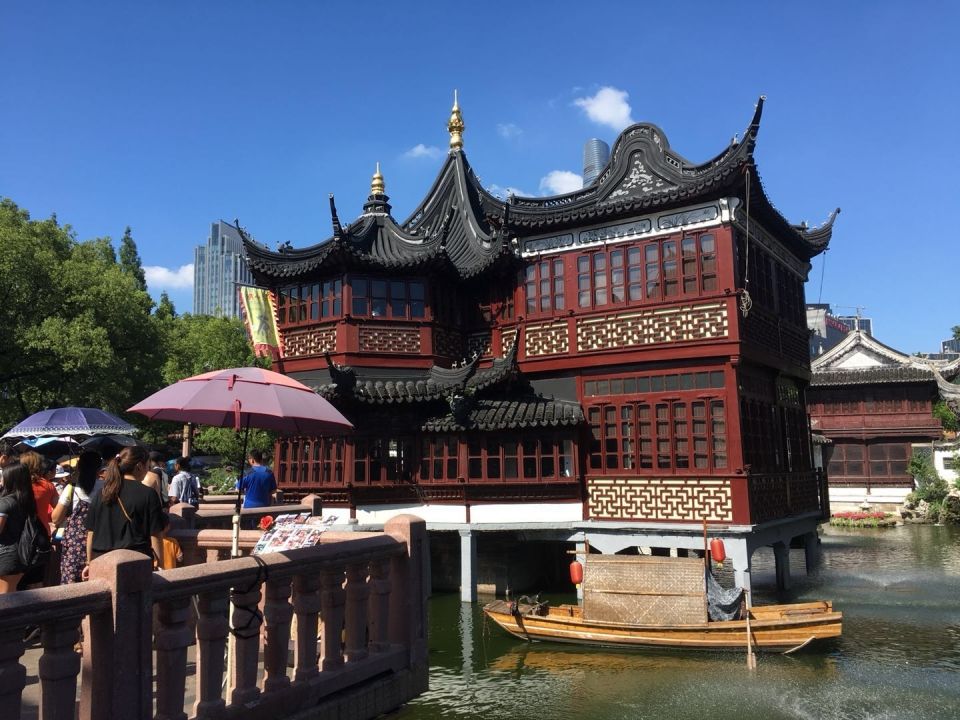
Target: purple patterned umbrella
pixel 70 421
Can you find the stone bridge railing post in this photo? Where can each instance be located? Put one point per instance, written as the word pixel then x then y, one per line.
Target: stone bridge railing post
pixel 411 582
pixel 120 641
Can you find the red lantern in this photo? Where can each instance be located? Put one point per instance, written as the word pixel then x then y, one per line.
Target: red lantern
pixel 717 551
pixel 576 572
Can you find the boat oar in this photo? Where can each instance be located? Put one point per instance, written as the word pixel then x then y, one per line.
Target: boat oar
pixel 751 658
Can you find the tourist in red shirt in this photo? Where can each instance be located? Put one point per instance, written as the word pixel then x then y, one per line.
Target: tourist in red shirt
pixel 43 490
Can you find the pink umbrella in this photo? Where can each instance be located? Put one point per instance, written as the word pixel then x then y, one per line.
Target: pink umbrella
pixel 245 398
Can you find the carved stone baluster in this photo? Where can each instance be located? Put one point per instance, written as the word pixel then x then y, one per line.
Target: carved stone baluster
pixel 379 605
pixel 58 668
pixel 277 613
pixel 331 619
pixel 13 675
pixel 306 605
pixel 212 629
pixel 246 630
pixel 358 593
pixel 174 636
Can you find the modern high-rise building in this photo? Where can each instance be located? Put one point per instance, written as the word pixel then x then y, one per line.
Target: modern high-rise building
pixel 596 155
pixel 218 267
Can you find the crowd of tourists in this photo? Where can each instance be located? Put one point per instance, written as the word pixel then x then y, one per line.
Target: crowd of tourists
pixel 86 507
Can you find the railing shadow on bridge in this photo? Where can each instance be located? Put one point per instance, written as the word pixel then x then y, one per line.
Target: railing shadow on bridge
pixel 351 612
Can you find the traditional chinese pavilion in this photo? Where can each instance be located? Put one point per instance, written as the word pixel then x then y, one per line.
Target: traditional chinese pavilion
pixel 629 359
pixel 875 405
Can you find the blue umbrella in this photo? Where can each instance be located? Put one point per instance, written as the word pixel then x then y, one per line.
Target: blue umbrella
pixel 49 446
pixel 71 421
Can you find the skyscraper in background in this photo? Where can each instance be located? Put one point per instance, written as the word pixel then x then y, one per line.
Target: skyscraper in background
pixel 596 154
pixel 217 268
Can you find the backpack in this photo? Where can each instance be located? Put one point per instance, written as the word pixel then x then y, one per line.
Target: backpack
pixel 33 547
pixel 190 491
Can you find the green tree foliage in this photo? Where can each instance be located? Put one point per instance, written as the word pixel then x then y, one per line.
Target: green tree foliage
pixel 130 260
pixel 76 329
pixel 228 444
pixel 200 343
pixel 948 419
pixel 930 486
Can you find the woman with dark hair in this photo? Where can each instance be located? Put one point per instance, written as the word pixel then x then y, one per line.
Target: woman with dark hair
pixel 44 493
pixel 73 508
pixel 17 505
pixel 125 515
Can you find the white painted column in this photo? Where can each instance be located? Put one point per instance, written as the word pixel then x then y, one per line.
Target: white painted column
pixel 468 566
pixel 739 553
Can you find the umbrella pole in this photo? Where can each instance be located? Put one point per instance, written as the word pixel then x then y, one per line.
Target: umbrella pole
pixel 235 553
pixel 235 540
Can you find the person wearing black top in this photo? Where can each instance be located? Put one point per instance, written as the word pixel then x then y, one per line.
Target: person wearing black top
pixel 17 504
pixel 126 515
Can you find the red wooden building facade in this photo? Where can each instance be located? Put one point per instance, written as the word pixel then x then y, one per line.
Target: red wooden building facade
pixel 636 350
pixel 874 404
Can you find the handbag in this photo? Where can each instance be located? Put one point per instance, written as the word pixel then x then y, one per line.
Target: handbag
pixel 33 547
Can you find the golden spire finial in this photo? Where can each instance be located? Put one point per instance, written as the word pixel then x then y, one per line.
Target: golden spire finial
pixel 455 125
pixel 376 185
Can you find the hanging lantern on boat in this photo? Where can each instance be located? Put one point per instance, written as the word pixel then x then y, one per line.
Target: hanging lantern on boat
pixel 576 572
pixel 717 551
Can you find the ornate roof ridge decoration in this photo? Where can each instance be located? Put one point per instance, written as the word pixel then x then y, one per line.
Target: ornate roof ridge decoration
pixel 455 126
pixel 343 377
pixel 436 383
pixel 877 374
pixel 452 230
pixel 858 340
pixel 492 414
pixel 645 174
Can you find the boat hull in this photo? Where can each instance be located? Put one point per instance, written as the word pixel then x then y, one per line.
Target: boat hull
pixel 772 628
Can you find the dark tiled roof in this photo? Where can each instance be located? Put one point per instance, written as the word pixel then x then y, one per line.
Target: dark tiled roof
pixel 434 384
pixel 645 175
pixel 449 232
pixel 461 228
pixel 525 413
pixel 872 376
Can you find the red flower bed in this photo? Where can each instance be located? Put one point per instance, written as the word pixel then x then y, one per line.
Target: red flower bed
pixel 859 515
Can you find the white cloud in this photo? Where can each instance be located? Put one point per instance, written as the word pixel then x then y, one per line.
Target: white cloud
pixel 423 151
pixel 161 278
pixel 504 192
pixel 559 182
pixel 508 131
pixel 608 107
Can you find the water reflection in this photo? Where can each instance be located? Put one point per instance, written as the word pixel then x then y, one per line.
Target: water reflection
pixel 899 656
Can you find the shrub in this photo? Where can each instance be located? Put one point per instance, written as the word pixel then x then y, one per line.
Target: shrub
pixel 221 480
pixel 930 486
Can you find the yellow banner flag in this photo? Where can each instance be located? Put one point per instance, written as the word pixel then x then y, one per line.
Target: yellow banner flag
pixel 261 321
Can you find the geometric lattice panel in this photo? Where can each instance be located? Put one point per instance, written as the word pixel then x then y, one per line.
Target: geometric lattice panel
pixel 479 345
pixel 644 590
pixel 707 321
pixel 314 341
pixel 672 499
pixel 546 339
pixel 388 339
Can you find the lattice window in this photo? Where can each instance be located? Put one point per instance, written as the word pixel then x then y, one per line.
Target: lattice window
pixel 675 436
pixel 537 457
pixel 304 304
pixel 543 287
pixel 393 299
pixel 439 458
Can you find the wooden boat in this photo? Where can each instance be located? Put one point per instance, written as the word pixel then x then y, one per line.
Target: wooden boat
pixel 772 627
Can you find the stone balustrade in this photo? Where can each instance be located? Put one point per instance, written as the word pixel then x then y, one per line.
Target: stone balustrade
pixel 353 610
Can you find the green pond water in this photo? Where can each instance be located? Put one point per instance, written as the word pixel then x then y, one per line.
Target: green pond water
pixel 899 657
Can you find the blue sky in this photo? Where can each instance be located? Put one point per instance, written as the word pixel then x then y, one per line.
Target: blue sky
pixel 167 116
